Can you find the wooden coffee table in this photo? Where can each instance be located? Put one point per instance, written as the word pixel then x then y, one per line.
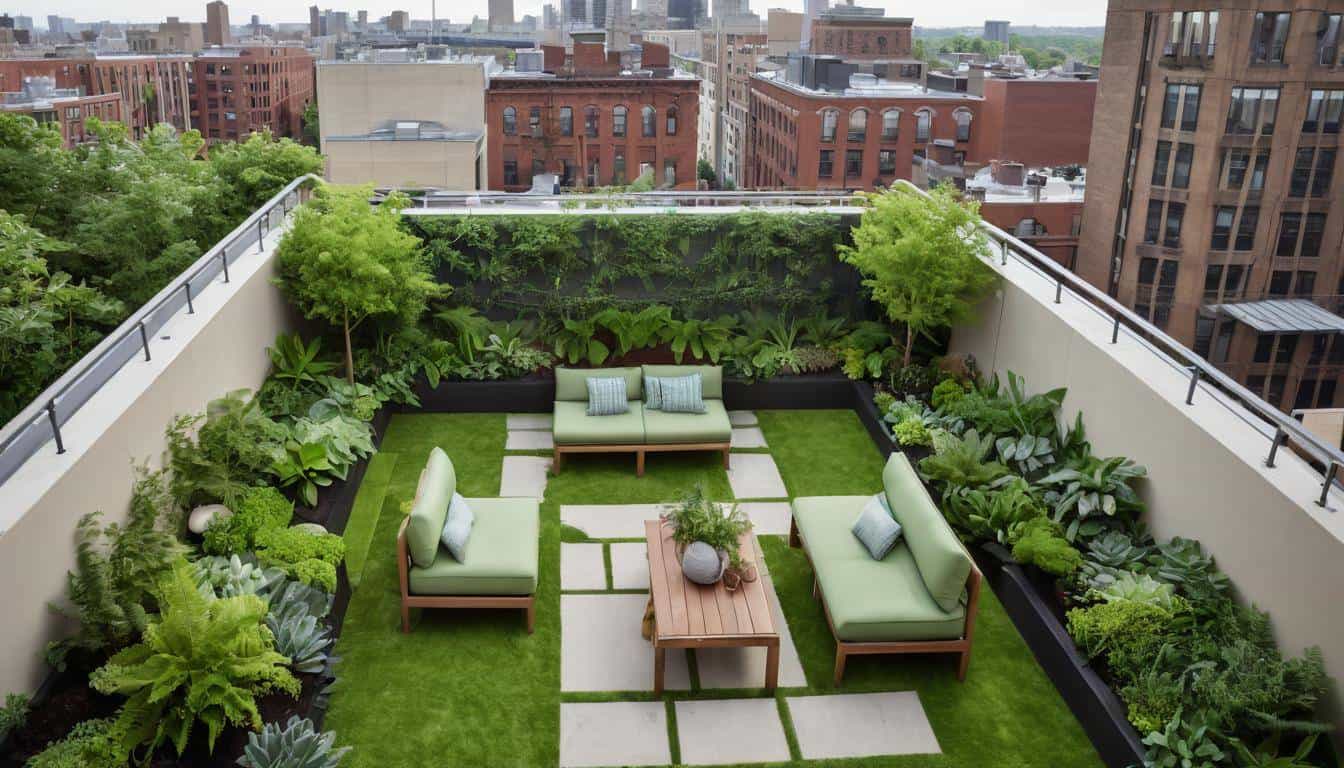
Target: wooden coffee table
pixel 688 615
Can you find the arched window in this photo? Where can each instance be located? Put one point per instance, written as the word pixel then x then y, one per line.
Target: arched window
pixel 590 121
pixel 923 125
pixel 671 121
pixel 830 118
pixel 649 121
pixel 891 125
pixel 963 118
pixel 510 121
pixel 618 115
pixel 858 125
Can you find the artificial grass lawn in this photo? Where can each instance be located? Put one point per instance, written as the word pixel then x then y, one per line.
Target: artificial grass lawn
pixel 472 688
pixel 364 513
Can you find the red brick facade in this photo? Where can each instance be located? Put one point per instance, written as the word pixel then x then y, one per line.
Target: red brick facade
pixel 252 88
pixel 1038 122
pixel 153 89
pixel 1057 225
pixel 70 114
pixel 859 39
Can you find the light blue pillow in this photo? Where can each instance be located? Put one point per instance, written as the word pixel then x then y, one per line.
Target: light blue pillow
pixel 606 396
pixel 681 394
pixel 653 393
pixel 458 528
pixel 876 528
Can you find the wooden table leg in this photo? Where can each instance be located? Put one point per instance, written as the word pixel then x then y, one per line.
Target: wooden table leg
pixel 659 665
pixel 772 666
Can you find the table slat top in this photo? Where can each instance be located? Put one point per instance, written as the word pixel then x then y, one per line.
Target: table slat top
pixel 686 609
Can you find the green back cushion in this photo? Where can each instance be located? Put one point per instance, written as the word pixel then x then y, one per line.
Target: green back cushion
pixel 572 383
pixel 430 510
pixel 711 377
pixel 942 562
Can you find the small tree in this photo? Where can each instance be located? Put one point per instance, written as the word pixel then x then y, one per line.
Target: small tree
pixel 705 170
pixel 344 261
pixel 920 258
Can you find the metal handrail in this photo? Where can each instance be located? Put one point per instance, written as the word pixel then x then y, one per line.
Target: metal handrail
pixel 41 420
pixel 663 198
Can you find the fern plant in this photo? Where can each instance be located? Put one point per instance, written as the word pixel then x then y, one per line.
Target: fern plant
pixel 296 744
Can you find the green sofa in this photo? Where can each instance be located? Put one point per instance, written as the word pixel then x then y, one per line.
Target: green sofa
pixel 921 598
pixel 641 430
pixel 501 558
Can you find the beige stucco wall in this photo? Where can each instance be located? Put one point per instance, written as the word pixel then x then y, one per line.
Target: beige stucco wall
pixel 219 348
pixel 1207 478
pixel 445 164
pixel 356 97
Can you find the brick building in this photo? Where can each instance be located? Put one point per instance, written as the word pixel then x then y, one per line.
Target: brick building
pixel 1037 121
pixel 733 59
pixel 1043 211
pixel 217 23
pixel 584 120
pixel 152 89
pixel 243 89
pixel 1215 211
pixel 65 108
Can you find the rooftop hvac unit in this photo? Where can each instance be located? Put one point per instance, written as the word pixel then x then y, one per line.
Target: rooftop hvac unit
pixel 862 80
pixel 530 61
pixel 392 56
pixel 408 130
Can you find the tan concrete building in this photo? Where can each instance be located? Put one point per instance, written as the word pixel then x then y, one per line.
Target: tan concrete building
pixel 172 36
pixel 784 31
pixel 217 23
pixel 406 123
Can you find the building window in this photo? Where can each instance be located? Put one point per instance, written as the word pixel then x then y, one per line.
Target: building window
pixel 1222 229
pixel 826 164
pixel 1269 36
pixel 510 121
pixel 594 173
pixel 566 121
pixel 1323 111
pixel 510 172
pixel 963 118
pixel 858 125
pixel 649 122
pixel 886 162
pixel 534 121
pixel 830 120
pixel 1152 225
pixel 618 122
pixel 853 163
pixel 590 121
pixel 1180 172
pixel 1250 219
pixel 1325 172
pixel 670 172
pixel 1290 228
pixel 618 167
pixel 671 121
pixel 1236 163
pixel 1312 234
pixel 1161 163
pixel 1301 178
pixel 923 125
pixel 891 124
pixel 1182 101
pixel 1327 39
pixel 1305 284
pixel 1171 234
pixel 1252 108
pixel 1187 36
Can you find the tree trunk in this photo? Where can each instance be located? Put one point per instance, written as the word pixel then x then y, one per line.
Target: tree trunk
pixel 349 354
pixel 909 342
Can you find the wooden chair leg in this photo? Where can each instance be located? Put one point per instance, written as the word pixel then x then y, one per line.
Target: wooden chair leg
pixel 725 457
pixel 557 459
pixel 531 617
pixel 405 618
pixel 794 540
pixel 839 664
pixel 965 662
pixel 639 463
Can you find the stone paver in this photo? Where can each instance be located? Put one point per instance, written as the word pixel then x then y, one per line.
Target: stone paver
pixel 748 437
pixel 730 731
pixel 768 518
pixel 629 566
pixel 601 648
pixel 861 724
pixel 524 476
pixel 609 521
pixel 529 440
pixel 614 733
pixel 528 421
pixel 742 418
pixel 582 567
pixel 755 476
pixel 745 667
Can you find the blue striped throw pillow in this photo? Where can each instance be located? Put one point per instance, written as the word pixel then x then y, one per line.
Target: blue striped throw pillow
pixel 606 396
pixel 653 393
pixel 681 394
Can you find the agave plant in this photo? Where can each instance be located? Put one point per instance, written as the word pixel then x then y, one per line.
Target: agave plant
pixel 1028 453
pixel 294 598
pixel 303 640
pixel 296 744
pixel 219 576
pixel 1183 563
pixel 1109 555
pixel 1139 588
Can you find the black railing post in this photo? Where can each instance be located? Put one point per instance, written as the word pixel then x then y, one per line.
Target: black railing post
pixel 191 309
pixel 1004 261
pixel 1279 435
pixel 1115 329
pixel 1329 481
pixel 224 256
pixel 1194 381
pixel 1059 290
pixel 144 339
pixel 55 426
pixel 260 237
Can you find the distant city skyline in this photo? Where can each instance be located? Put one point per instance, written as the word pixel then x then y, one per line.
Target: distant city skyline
pixel 962 14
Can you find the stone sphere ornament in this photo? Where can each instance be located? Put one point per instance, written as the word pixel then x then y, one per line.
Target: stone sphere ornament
pixel 702 563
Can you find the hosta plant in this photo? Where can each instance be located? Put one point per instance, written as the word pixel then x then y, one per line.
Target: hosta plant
pixel 1027 454
pixel 304 466
pixel 1088 497
pixel 303 639
pixel 296 744
pixel 1183 744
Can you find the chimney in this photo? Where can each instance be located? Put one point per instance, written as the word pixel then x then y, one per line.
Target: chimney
pixel 589 58
pixel 655 55
pixel 553 58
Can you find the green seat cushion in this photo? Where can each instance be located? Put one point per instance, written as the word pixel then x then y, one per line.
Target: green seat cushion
pixel 943 562
pixel 573 425
pixel 711 376
pixel 869 600
pixel 501 554
pixel 712 426
pixel 430 510
pixel 572 383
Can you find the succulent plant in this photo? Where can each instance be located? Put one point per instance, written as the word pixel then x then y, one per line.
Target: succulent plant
pixel 1182 562
pixel 1109 555
pixel 303 640
pixel 1139 588
pixel 292 598
pixel 232 576
pixel 295 745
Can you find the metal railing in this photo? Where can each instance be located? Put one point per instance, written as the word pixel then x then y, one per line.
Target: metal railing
pixel 42 420
pixel 598 200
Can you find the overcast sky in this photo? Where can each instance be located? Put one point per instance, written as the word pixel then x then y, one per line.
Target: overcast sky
pixel 949 14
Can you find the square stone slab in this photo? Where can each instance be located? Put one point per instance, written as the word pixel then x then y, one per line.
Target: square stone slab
pixel 582 567
pixel 768 518
pixel 601 648
pixel 861 724
pixel 742 418
pixel 730 731
pixel 755 476
pixel 529 440
pixel 609 521
pixel 614 733
pixel 528 421
pixel 524 476
pixel 745 667
pixel 629 565
pixel 748 437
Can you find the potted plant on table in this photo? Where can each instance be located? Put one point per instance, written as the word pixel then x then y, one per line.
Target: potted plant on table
pixel 707 538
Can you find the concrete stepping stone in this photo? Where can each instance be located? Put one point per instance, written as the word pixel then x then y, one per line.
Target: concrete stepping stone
pixel 524 476
pixel 755 476
pixel 748 437
pixel 601 648
pixel 629 566
pixel 529 440
pixel 516 421
pixel 768 518
pixel 582 567
pixel 861 724
pixel 609 521
pixel 730 731
pixel 742 418
pixel 613 733
pixel 745 667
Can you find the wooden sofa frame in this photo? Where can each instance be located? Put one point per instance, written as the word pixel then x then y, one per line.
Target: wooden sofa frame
pixel 639 449
pixel 409 601
pixel 845 649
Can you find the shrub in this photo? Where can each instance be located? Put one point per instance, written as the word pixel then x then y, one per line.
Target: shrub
pixel 962 462
pixel 696 518
pixel 992 514
pixel 1040 544
pixel 309 557
pixel 216 455
pixel 260 508
pixel 948 392
pixel 14 714
pixel 1128 634
pixel 912 431
pixel 296 744
pixel 90 744
pixel 1152 700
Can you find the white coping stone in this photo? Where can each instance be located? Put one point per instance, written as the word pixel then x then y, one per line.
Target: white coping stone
pixel 613 733
pixel 529 440
pixel 601 648
pixel 609 521
pixel 745 667
pixel 755 476
pixel 629 565
pixel 768 518
pixel 730 731
pixel 533 421
pixel 748 437
pixel 742 418
pixel 861 724
pixel 582 567
pixel 524 476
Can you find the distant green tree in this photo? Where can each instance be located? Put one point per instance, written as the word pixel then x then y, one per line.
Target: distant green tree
pixel 705 170
pixel 259 167
pixel 312 131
